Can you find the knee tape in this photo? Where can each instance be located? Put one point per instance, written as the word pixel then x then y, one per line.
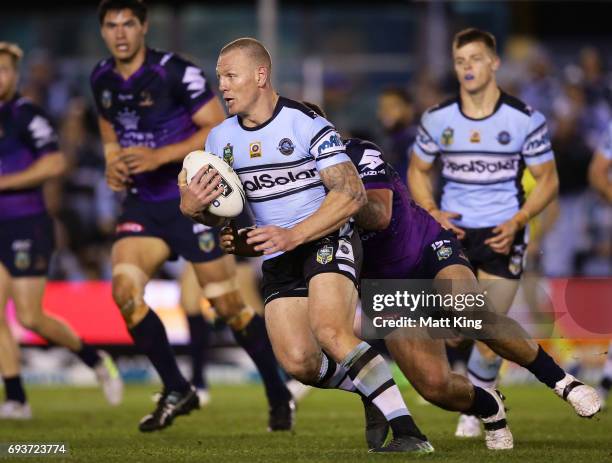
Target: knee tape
pixel 220 288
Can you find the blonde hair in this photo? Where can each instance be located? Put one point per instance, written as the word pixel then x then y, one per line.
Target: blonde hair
pixel 13 50
pixel 253 48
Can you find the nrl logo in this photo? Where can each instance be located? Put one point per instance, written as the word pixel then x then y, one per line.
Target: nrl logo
pixel 325 255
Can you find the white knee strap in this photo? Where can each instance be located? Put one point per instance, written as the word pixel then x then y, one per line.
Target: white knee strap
pixel 220 288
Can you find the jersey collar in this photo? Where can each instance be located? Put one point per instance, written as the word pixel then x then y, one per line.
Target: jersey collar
pixel 277 109
pixel 500 100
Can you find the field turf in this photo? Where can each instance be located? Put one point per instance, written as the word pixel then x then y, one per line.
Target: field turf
pixel 329 429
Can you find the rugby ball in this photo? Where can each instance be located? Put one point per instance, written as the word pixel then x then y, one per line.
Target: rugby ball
pixel 232 200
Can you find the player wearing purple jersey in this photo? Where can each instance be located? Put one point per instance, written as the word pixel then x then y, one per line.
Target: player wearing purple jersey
pixel 29 156
pixel 154 108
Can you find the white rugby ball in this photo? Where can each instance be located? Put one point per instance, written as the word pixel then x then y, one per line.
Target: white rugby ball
pixel 231 202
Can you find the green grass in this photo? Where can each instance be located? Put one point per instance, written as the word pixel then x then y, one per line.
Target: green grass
pixel 329 429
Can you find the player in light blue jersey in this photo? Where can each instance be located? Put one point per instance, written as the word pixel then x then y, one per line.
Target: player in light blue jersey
pixel 600 177
pixel 485 138
pixel 303 190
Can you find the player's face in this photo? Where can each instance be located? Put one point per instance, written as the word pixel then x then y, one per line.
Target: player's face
pixel 8 77
pixel 475 66
pixel 123 33
pixel 237 76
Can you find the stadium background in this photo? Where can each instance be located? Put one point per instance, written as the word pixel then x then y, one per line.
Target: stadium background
pixel 341 55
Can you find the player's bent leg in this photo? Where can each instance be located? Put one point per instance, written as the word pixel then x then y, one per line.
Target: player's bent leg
pixel 200 330
pixel 424 363
pixel 134 260
pixel 220 286
pixel 509 340
pixel 15 405
pixel 27 293
pixel 331 314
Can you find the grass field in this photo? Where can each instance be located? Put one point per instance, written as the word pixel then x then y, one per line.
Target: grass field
pixel 329 429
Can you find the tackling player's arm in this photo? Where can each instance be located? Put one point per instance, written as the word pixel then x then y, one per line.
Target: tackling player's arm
pixel 117 172
pixel 46 167
pixel 376 214
pixel 544 192
pixel 345 197
pixel 599 175
pixel 143 159
pixel 421 188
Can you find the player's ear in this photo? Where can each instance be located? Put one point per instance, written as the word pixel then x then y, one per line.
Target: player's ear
pixel 263 75
pixel 496 62
pixel 145 27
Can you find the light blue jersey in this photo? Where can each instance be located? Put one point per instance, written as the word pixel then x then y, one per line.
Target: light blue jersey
pixel 605 147
pixel 483 159
pixel 279 161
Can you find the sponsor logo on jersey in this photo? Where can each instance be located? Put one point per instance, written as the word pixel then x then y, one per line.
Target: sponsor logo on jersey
pixel 262 184
pixel 41 131
pixel 286 146
pixel 125 97
pixel 107 99
pixel 255 149
pixel 447 136
pixel 129 227
pixel 128 119
pixel 21 245
pixel 146 99
pixel 206 241
pixel 481 169
pixel 504 137
pixel 475 136
pixel 228 154
pixel 371 159
pixel 325 254
pixel 195 81
pixel 333 141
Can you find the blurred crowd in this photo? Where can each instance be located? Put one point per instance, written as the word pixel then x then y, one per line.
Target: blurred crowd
pixel 573 92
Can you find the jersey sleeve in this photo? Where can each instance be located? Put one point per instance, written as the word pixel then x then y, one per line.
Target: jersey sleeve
pixel 37 130
pixel 372 168
pixel 605 146
pixel 211 145
pixel 537 148
pixel 189 84
pixel 326 145
pixel 102 98
pixel 425 145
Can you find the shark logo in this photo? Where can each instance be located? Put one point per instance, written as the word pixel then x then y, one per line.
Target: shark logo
pixel 371 159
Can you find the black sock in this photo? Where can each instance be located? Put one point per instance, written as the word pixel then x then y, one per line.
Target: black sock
pixel 150 338
pixel 484 404
pixel 606 383
pixel 88 355
pixel 254 340
pixel 199 337
pixel 13 389
pixel 546 369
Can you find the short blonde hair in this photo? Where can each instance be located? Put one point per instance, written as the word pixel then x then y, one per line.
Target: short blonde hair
pixel 13 50
pixel 253 48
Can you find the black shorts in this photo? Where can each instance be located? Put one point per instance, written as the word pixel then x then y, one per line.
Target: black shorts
pixel 482 257
pixel 288 275
pixel 444 251
pixel 163 219
pixel 26 245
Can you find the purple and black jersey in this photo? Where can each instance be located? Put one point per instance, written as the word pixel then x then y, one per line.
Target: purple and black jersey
pixel 396 251
pixel 26 134
pixel 152 108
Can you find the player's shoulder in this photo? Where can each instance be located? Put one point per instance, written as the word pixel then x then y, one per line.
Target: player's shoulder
pixel 229 124
pixel 522 109
pixel 170 61
pixel 440 111
pixel 355 147
pixel 102 68
pixel 300 109
pixel 26 109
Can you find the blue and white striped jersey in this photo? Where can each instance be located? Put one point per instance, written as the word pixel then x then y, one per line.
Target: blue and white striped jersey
pixel 483 159
pixel 605 147
pixel 279 161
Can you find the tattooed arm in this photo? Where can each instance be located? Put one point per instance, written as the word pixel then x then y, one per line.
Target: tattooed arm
pixel 376 214
pixel 345 197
